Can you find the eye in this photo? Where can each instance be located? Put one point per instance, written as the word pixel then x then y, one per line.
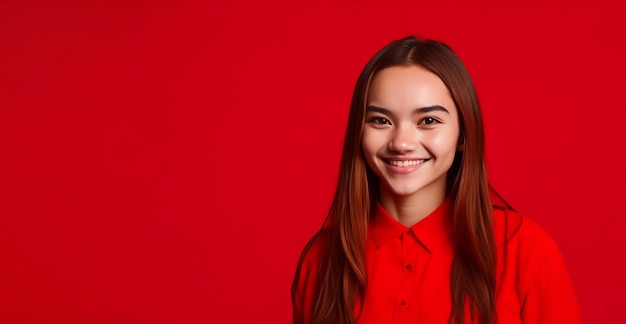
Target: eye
pixel 429 121
pixel 379 121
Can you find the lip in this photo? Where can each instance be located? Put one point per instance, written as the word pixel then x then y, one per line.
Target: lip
pixel 406 169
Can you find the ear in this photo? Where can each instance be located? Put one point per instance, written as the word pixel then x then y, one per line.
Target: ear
pixel 461 145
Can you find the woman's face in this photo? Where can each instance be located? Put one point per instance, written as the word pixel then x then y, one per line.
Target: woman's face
pixel 411 131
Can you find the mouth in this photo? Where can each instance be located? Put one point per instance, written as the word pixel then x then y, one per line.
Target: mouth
pixel 405 163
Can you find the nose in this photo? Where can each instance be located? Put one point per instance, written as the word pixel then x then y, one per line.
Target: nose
pixel 404 139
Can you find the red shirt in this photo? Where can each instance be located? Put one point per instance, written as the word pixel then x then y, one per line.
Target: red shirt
pixel 408 271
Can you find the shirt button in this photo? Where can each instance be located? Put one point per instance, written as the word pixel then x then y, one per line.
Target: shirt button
pixel 410 232
pixel 409 267
pixel 403 303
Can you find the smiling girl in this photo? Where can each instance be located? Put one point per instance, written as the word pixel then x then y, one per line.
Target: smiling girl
pixel 412 234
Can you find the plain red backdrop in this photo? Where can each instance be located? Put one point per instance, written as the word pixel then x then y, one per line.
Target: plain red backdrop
pixel 166 162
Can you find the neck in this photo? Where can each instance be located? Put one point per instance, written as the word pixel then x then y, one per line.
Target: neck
pixel 410 210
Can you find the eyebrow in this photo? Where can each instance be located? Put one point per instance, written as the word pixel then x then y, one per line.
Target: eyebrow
pixel 421 110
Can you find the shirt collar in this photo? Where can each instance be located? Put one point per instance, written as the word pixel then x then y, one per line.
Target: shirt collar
pixel 430 231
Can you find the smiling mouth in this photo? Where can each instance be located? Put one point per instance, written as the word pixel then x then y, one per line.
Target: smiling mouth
pixel 405 163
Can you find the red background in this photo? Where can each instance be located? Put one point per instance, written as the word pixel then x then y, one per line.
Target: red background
pixel 166 162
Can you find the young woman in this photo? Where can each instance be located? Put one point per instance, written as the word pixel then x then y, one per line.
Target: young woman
pixel 413 235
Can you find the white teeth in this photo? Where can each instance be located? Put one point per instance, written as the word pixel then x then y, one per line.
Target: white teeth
pixel 403 164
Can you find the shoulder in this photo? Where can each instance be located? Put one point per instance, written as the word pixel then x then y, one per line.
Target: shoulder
pixel 526 249
pixel 306 281
pixel 316 250
pixel 530 260
pixel 513 228
pixel 525 246
pixel 313 258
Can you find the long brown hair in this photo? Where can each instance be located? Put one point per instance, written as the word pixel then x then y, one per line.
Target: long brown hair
pixel 342 276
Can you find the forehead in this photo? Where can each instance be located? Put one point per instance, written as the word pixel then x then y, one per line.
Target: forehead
pixel 408 87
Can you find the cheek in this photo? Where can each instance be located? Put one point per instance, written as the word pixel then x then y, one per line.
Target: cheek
pixel 444 143
pixel 370 145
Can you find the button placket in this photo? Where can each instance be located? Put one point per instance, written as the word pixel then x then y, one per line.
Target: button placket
pixel 410 247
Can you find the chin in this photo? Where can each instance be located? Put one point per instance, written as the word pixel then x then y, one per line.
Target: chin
pixel 403 190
